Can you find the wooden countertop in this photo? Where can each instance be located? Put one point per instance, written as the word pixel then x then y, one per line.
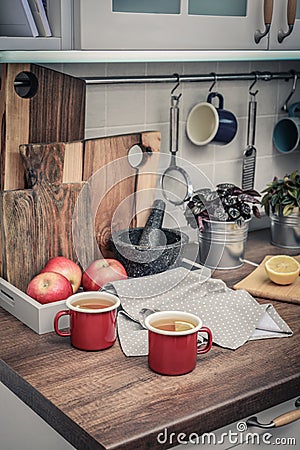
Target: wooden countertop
pixel 104 400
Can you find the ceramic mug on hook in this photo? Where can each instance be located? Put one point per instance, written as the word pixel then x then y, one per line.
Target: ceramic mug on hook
pixel 286 134
pixel 207 123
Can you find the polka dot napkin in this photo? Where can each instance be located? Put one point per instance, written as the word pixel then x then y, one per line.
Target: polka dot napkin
pixel 233 316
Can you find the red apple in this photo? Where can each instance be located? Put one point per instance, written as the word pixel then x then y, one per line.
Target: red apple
pixel 67 268
pixel 49 287
pixel 102 271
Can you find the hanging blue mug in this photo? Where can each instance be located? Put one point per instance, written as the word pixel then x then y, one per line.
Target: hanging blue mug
pixel 286 134
pixel 228 124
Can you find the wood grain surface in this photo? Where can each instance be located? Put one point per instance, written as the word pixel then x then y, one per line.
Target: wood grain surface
pixel 105 400
pixel 259 285
pixel 36 225
pixel 114 183
pixel 56 113
pixel 37 222
pixel 42 216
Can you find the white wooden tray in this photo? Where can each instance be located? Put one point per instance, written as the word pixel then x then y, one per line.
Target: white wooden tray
pixel 38 317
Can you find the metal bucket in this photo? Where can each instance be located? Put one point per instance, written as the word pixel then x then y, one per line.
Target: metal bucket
pixel 222 244
pixel 285 230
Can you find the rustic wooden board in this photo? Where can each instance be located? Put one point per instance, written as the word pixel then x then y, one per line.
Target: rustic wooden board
pixel 259 285
pixel 37 222
pixel 147 178
pixel 56 163
pixel 54 114
pixel 36 226
pixel 107 169
pixel 43 214
pixel 14 115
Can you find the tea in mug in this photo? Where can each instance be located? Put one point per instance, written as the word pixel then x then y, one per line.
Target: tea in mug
pixel 173 325
pixel 92 303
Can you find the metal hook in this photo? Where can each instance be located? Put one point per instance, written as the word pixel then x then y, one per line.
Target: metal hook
pixel 214 82
pixel 285 107
pixel 253 84
pixel 177 85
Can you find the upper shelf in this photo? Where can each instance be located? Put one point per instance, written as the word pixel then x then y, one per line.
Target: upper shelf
pixel 115 56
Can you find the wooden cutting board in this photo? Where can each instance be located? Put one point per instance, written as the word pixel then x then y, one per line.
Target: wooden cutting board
pixel 259 285
pixel 37 223
pixel 56 113
pixel 113 183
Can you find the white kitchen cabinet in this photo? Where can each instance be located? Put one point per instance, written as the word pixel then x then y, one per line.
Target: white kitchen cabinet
pixel 168 25
pixel 175 29
pixel 22 428
pixel 280 22
pixel 60 21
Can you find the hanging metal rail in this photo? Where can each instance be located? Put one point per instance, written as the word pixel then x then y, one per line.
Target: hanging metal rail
pixel 25 80
pixel 136 79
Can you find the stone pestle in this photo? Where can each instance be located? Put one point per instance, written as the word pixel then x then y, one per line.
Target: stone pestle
pixel 152 235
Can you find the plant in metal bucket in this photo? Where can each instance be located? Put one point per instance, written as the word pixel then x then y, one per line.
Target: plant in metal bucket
pixel 228 203
pixel 282 195
pixel 222 217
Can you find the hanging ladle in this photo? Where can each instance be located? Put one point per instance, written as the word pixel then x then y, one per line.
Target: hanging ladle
pixel 285 105
pixel 175 182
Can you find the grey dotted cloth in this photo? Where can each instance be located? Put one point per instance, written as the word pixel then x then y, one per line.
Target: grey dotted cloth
pixel 233 316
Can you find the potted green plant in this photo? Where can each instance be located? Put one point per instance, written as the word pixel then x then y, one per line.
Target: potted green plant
pixel 222 217
pixel 281 201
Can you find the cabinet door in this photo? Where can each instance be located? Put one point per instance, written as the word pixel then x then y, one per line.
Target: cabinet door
pixel 280 22
pixel 168 24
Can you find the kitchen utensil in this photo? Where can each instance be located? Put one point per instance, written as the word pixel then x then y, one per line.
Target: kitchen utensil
pixel 140 260
pixel 249 158
pixel 175 182
pixel 137 156
pixel 152 235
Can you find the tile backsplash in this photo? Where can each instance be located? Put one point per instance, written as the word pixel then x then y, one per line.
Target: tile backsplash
pixel 118 109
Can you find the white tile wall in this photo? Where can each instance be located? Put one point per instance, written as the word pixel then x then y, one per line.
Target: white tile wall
pixel 117 109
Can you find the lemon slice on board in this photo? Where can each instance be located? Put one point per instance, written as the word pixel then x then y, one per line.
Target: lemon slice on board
pixel 282 269
pixel 183 326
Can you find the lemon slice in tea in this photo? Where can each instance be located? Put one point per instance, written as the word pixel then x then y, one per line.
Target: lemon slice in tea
pixel 282 269
pixel 183 326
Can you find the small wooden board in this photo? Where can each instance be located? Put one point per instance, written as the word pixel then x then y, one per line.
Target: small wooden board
pixel 259 285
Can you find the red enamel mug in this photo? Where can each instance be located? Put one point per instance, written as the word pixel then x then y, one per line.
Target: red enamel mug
pixel 173 341
pixel 92 320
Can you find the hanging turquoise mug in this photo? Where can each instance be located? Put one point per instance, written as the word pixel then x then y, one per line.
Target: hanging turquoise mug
pixel 286 133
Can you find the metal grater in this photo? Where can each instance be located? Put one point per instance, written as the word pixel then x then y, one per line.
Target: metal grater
pixel 249 158
pixel 249 163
